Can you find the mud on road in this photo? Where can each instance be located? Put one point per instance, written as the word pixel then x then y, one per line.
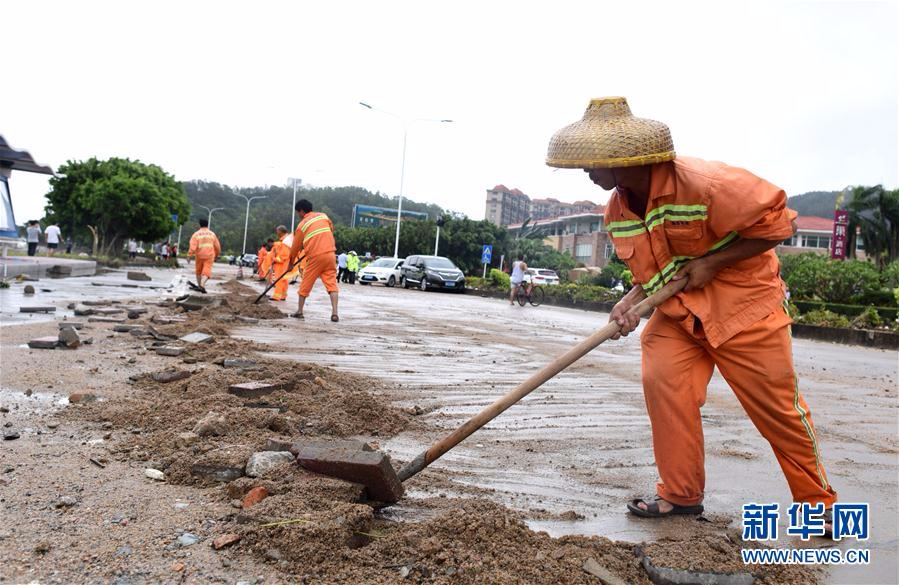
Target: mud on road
pixel 483 514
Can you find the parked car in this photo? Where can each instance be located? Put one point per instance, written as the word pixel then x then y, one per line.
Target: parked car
pixel 387 271
pixel 428 272
pixel 249 260
pixel 542 276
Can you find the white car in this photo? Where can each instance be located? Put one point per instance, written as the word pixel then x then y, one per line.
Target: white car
pixel 383 270
pixel 542 276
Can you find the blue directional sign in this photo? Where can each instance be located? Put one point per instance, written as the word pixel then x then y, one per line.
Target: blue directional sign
pixel 486 254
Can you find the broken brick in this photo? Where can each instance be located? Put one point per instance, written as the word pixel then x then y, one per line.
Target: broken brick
pixel 256 389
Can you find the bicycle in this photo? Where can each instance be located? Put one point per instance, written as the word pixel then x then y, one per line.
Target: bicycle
pixel 530 294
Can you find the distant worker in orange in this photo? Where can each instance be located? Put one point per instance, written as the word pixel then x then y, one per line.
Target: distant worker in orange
pixel 294 273
pixel 315 238
pixel 673 217
pixel 279 263
pixel 260 260
pixel 205 246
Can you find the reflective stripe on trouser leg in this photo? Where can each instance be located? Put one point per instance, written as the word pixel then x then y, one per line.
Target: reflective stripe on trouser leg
pixel 758 365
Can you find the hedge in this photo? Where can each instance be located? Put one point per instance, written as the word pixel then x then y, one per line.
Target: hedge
pixel 886 313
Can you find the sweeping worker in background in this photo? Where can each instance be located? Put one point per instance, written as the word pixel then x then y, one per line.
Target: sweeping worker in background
pixel 279 263
pixel 672 217
pixel 314 237
pixel 204 244
pixel 260 258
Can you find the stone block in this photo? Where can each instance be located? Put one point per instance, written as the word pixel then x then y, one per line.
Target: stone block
pixel 71 325
pixel 369 468
pixel 166 376
pixel 135 275
pixel 170 350
pixel 256 389
pixel 45 309
pixel 196 337
pixel 44 343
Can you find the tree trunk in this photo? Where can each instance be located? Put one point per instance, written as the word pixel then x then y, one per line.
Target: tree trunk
pixel 96 239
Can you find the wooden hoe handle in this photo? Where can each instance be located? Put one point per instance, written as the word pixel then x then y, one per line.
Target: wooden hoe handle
pixel 548 371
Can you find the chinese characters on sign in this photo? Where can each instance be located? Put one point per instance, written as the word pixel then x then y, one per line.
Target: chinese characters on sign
pixel 840 230
pixel 849 520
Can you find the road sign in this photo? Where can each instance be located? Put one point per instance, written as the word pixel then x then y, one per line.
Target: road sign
pixel 486 254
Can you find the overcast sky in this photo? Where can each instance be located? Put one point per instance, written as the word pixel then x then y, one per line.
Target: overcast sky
pixel 250 93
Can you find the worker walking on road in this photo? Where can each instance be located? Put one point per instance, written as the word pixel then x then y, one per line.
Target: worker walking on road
pixel 671 218
pixel 280 256
pixel 205 246
pixel 314 237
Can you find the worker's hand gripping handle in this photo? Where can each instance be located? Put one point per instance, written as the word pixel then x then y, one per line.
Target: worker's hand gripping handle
pixel 283 274
pixel 548 372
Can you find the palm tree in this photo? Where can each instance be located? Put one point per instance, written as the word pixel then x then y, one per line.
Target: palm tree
pixel 874 214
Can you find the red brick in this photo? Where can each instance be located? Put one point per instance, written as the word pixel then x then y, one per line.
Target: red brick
pixel 254 496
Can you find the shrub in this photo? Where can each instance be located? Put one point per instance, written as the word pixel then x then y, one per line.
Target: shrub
pixel 813 277
pixel 824 318
pixel 868 319
pixel 500 278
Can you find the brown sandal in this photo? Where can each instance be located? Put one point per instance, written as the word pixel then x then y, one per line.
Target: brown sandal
pixel 335 318
pixel 652 508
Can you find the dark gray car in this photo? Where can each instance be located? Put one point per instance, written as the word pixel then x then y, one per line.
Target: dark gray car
pixel 432 272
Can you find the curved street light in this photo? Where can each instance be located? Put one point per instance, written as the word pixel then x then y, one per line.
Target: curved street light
pixel 406 124
pixel 246 221
pixel 209 214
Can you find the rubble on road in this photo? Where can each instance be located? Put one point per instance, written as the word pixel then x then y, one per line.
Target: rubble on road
pixel 69 338
pixel 71 324
pixel 196 337
pixel 169 350
pixel 44 343
pixel 262 462
pixel 44 309
pixel 135 275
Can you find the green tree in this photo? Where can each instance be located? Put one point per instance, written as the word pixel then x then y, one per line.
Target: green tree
pixel 115 199
pixel 874 212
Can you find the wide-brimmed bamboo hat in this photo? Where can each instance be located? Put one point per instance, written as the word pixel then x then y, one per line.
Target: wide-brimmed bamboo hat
pixel 610 136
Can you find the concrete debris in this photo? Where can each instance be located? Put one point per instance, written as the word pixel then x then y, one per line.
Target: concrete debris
pixel 105 320
pixel 44 343
pixel 11 435
pixel 163 320
pixel 69 338
pixel 65 502
pixel 81 311
pixel 605 576
pixel 170 350
pixel 196 337
pixel 82 397
pixel 246 319
pixel 240 363
pixel 188 539
pixel 224 540
pixel 100 303
pixel 264 461
pixel 37 309
pixel 154 474
pixel 159 336
pixel 139 332
pixel 166 376
pixel 29 290
pixel 216 471
pixel 256 389
pixel 213 424
pixel 125 328
pixel 71 325
pixel 108 311
pixel 135 275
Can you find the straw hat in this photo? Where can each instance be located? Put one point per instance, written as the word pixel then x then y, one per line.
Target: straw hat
pixel 610 136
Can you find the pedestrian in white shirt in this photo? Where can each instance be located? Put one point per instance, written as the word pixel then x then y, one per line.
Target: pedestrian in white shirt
pixel 53 234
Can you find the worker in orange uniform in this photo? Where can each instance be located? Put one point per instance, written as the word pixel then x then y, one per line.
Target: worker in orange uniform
pixel 260 258
pixel 314 237
pixel 204 244
pixel 279 263
pixel 670 218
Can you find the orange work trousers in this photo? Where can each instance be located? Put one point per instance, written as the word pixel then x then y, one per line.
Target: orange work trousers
pixel 757 363
pixel 204 267
pixel 322 266
pixel 280 293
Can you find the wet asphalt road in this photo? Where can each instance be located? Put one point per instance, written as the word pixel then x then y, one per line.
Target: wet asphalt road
pixel 582 441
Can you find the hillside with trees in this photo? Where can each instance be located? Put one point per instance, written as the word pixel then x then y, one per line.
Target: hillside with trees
pixel 817 203
pixel 275 208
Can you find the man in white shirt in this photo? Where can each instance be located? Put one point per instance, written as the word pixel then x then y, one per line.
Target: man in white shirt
pixel 53 234
pixel 342 272
pixel 132 249
pixel 33 232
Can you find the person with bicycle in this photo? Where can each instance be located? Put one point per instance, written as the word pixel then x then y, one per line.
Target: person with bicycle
pixel 519 270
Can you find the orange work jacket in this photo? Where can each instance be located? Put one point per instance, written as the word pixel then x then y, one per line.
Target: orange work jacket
pixel 696 207
pixel 204 244
pixel 314 235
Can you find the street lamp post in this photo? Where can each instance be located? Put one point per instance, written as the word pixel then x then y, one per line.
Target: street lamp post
pixel 246 221
pixel 293 213
pixel 406 124
pixel 208 215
